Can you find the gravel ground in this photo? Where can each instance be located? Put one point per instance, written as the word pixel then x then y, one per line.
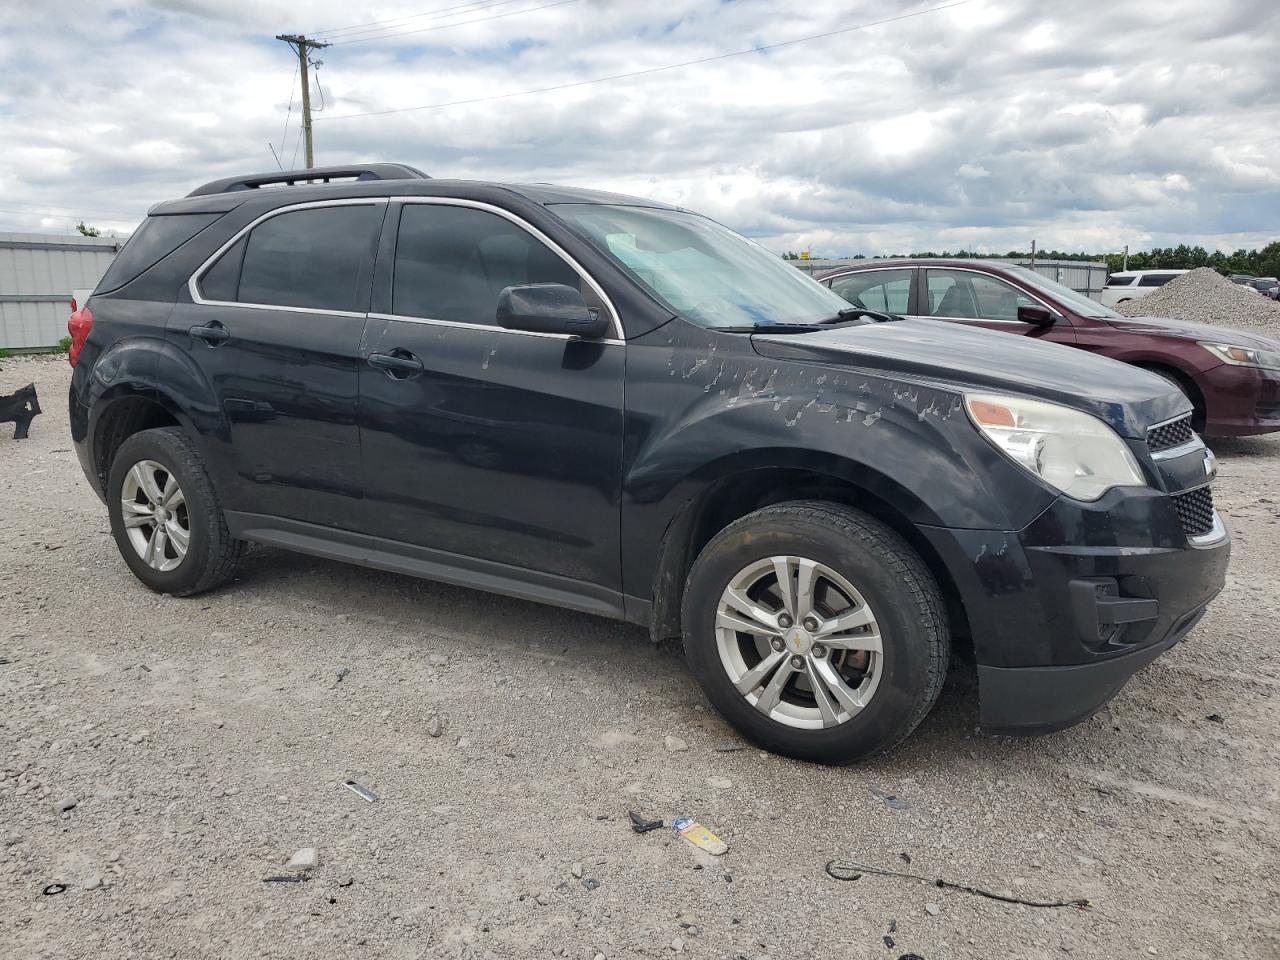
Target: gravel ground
pixel 1205 296
pixel 204 741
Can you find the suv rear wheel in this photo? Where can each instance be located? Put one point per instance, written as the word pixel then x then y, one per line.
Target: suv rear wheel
pixel 816 631
pixel 165 515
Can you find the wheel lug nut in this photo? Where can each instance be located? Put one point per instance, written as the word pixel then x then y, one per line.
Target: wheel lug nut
pixel 810 623
pixel 819 650
pixel 784 621
pixel 776 643
pixel 797 662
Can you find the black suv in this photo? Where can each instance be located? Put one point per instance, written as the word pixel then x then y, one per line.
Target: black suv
pixel 624 408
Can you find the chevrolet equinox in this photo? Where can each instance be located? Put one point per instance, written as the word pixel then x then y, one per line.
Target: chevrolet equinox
pixel 624 408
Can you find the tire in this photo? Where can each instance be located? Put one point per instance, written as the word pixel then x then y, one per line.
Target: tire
pixel 898 685
pixel 211 554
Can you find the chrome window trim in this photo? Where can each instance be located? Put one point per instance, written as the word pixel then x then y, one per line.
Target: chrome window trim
pixel 491 328
pixel 537 235
pixel 193 282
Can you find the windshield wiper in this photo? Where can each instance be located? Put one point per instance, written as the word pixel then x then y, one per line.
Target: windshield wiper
pixel 772 328
pixel 849 313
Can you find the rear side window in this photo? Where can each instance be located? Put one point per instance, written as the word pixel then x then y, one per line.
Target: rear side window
pixel 887 290
pixel 452 263
pixel 1115 281
pixel 155 239
pixel 318 258
pixel 1155 279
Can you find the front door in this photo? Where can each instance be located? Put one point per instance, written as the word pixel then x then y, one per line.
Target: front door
pixel 981 300
pixel 483 443
pixel 275 335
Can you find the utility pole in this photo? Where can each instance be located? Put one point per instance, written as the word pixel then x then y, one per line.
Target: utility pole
pixel 302 45
pixel 1033 254
pixel 1126 257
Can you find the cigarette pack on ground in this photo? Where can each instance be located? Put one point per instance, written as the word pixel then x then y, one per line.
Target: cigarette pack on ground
pixel 699 836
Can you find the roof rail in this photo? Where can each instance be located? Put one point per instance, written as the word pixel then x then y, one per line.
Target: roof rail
pixel 364 171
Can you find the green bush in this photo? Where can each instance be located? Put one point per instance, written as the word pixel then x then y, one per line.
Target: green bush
pixel 64 345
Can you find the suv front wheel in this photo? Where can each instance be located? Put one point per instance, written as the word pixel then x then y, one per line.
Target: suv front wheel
pixel 165 515
pixel 816 631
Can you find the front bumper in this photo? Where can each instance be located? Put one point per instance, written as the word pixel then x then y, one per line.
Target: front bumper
pixel 1063 612
pixel 1033 700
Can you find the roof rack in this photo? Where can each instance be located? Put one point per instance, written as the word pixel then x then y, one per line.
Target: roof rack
pixel 367 171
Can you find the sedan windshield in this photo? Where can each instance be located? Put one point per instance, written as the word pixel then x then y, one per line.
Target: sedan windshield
pixel 702 270
pixel 1064 294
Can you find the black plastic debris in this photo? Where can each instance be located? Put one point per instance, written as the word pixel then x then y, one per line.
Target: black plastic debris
pixel 642 825
pixel 1216 718
pixel 287 878
pixel 905 857
pixel 888 942
pixel 911 956
pixel 20 408
pixel 53 889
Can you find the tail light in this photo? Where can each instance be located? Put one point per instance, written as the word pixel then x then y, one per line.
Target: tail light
pixel 79 325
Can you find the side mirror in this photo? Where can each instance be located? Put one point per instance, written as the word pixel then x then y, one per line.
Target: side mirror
pixel 549 308
pixel 1035 315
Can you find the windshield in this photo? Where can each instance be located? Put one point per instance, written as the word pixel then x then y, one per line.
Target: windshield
pixel 1076 301
pixel 701 270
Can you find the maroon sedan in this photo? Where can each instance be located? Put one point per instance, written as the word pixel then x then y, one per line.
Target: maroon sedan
pixel 1232 377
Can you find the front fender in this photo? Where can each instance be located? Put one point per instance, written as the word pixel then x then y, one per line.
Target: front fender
pixel 702 405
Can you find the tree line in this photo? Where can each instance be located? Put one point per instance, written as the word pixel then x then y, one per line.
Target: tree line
pixel 1254 263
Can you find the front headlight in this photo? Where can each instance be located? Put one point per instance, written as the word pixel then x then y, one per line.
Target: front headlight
pixel 1244 356
pixel 1072 451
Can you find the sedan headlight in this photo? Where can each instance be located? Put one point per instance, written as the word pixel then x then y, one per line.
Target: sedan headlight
pixel 1072 451
pixel 1244 356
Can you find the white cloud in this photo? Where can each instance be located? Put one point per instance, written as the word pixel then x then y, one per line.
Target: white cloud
pixel 984 125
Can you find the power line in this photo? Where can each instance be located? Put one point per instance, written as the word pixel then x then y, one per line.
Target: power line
pixel 460 23
pixel 650 70
pixel 293 88
pixel 440 14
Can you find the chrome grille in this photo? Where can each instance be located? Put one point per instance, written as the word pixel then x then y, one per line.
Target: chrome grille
pixel 1195 510
pixel 1171 434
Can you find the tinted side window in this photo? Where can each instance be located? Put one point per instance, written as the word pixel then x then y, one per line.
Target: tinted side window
pixel 155 239
pixel 1155 279
pixel 973 296
pixel 222 280
pixel 315 258
pixel 887 290
pixel 1115 281
pixel 452 262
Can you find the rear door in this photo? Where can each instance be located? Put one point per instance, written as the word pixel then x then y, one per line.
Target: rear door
pixel 498 449
pixel 977 299
pixel 274 331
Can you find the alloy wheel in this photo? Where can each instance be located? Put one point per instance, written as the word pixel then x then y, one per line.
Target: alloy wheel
pixel 155 517
pixel 799 642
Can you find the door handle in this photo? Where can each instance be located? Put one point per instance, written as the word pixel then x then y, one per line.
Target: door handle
pixel 212 333
pixel 398 364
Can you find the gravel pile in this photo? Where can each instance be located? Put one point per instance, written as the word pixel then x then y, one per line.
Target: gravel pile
pixel 1205 296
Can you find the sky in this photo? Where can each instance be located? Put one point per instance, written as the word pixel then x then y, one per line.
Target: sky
pixel 980 125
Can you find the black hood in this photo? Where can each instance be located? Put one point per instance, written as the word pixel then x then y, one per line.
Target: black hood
pixel 1186 330
pixel 950 356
